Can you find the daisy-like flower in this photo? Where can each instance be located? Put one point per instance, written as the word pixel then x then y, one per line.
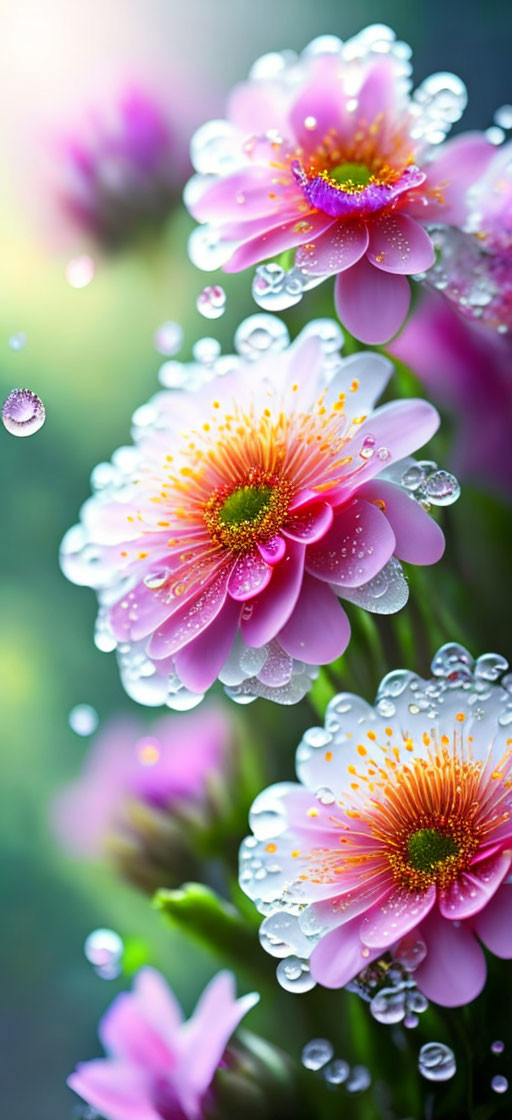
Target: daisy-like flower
pixel 159 1066
pixel 400 829
pixel 474 265
pixel 221 543
pixel 465 368
pixel 145 794
pixel 328 155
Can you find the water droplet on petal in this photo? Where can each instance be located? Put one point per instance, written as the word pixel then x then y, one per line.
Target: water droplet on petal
pixel 23 413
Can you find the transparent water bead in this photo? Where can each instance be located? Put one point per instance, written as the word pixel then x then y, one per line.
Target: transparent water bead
pixel 389 1005
pixel 23 413
pixel 83 719
pixel 503 117
pixel 336 1072
pixel 317 1053
pixel 80 271
pixel 499 1083
pixel 18 341
pixel 410 951
pixel 293 974
pixel 168 338
pixel 259 335
pixel 436 1062
pixel 104 949
pixel 441 488
pixel 497 1047
pixel 211 302
pixel 358 1080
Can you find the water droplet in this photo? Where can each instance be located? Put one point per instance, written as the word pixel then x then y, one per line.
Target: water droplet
pixel 388 1006
pixel 18 341
pixel 104 949
pixel 211 303
pixel 498 1046
pixel 336 1072
pixel 80 271
pixel 206 351
pixel 317 1053
pixel 325 796
pixel 293 974
pixel 494 135
pixel 259 335
pixel 23 413
pixel 503 116
pixel 436 1062
pixel 499 1083
pixel 441 488
pixel 83 719
pixel 359 1079
pixel 168 338
pixel 410 951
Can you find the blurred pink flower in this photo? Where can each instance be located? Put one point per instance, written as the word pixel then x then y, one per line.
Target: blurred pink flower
pixel 328 155
pixel 401 825
pixel 170 769
pixel 158 1066
pixel 244 512
pixel 120 171
pixel 468 370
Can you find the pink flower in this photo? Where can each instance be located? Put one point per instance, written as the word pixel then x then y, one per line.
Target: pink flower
pixel 121 170
pixel 169 769
pixel 221 543
pixel 329 157
pixel 159 1067
pixel 401 825
pixel 468 370
pixel 474 265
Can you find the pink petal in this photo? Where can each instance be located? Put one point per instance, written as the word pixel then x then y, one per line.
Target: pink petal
pixel 126 1034
pixel 372 304
pixel 318 630
pixel 399 244
pixel 320 100
pixel 399 427
pixel 453 972
pixel 267 614
pixel 339 248
pixel 284 235
pixel 494 924
pixel 221 202
pixel 191 619
pixel 200 661
pixel 419 540
pixel 475 888
pixel 460 163
pixel 309 523
pixel 208 1031
pixel 377 93
pixel 118 1090
pixel 340 955
pixel 249 576
pixel 154 997
pixel 392 919
pixel 273 550
pixel 336 558
pixel 255 107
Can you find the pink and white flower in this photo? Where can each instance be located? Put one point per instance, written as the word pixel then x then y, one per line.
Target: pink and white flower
pixel 329 157
pixel 400 827
pixel 221 543
pixel 159 1066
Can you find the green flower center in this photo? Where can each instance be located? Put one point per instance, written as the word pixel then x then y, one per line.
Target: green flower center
pixel 351 176
pixel 428 847
pixel 245 504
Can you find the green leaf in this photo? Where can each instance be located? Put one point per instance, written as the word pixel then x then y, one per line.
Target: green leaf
pixel 200 913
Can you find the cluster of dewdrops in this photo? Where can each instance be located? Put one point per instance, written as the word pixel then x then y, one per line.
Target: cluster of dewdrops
pixel 318 1055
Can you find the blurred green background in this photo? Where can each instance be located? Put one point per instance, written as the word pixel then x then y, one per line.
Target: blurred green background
pixel 89 355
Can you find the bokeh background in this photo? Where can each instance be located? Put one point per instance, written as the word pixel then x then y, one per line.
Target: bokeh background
pixel 89 354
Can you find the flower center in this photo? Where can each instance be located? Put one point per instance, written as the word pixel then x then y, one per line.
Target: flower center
pixel 429 847
pixel 245 504
pixel 351 177
pixel 237 518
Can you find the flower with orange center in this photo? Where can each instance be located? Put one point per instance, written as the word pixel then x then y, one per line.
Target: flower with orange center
pixel 401 827
pixel 328 159
pixel 226 538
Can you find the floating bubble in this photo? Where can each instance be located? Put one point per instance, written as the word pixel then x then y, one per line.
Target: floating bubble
pixel 168 338
pixel 211 303
pixel 494 135
pixel 18 341
pixel 259 335
pixel 173 375
pixel 294 975
pixel 359 1079
pixel 499 1083
pixel 317 1053
pixel 503 116
pixel 104 949
pixel 83 719
pixel 436 1062
pixel 388 1006
pixel 23 413
pixel 80 271
pixel 336 1072
pixel 206 351
pixel 498 1046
